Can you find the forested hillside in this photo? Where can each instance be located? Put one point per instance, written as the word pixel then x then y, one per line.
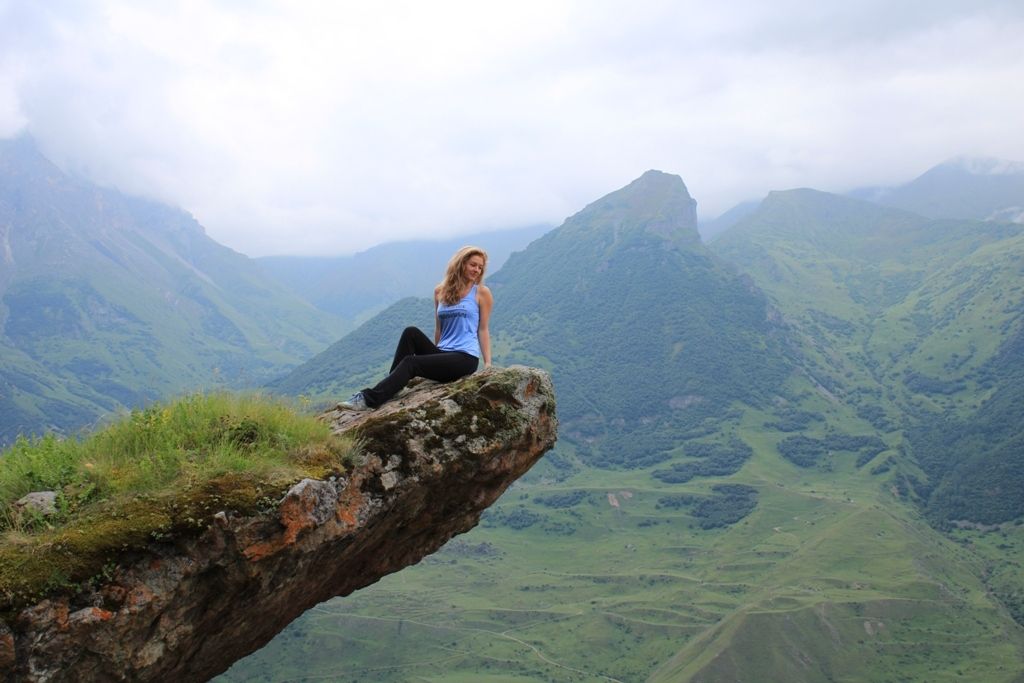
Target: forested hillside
pixel 648 335
pixel 109 301
pixel 916 323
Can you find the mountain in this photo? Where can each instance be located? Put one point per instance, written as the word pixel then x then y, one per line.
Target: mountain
pixel 916 323
pixel 377 277
pixel 109 301
pixel 724 501
pixel 963 187
pixel 645 331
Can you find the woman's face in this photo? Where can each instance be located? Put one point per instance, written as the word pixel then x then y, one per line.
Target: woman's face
pixel 473 268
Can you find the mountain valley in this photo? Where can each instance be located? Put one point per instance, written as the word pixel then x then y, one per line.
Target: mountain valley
pixel 743 488
pixel 793 453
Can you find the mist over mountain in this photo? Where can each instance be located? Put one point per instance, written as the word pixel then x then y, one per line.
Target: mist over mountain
pixel 981 188
pixel 109 301
pixel 710 229
pixel 355 287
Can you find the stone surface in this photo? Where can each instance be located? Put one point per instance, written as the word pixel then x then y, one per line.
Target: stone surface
pixel 435 459
pixel 40 502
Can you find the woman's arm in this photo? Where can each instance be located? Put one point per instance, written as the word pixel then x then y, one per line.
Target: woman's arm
pixel 437 321
pixel 485 300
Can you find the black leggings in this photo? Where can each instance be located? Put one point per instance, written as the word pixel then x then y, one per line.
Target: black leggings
pixel 416 356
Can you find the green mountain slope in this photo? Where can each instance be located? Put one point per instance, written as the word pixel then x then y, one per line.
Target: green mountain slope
pixel 912 321
pixel 722 504
pixel 108 301
pixel 645 331
pixel 360 358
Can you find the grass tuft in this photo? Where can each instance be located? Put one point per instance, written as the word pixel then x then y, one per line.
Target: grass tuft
pixel 154 475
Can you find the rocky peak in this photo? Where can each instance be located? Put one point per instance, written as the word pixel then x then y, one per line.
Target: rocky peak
pixel 434 460
pixel 656 203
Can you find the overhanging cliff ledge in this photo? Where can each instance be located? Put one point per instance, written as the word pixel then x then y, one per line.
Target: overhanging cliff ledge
pixel 434 460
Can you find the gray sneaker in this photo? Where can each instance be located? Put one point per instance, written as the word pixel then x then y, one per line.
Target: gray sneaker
pixel 356 402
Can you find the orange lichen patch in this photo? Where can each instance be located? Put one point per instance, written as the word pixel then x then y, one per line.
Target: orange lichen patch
pixel 296 516
pixel 89 615
pixel 349 504
pixel 530 390
pixel 259 551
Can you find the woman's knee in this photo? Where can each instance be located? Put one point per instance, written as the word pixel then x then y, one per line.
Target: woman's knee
pixel 408 364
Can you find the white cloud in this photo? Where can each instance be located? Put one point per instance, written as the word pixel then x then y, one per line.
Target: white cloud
pixel 328 127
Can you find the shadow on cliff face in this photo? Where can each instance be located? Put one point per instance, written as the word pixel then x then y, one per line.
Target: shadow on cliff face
pixel 434 459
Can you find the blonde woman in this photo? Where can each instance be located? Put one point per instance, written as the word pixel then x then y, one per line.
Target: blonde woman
pixel 462 311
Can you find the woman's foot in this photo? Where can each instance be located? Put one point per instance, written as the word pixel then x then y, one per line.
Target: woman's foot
pixel 356 402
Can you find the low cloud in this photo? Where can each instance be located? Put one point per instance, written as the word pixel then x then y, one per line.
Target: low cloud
pixel 324 128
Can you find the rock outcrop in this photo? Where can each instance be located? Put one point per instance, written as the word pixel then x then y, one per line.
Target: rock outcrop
pixel 434 460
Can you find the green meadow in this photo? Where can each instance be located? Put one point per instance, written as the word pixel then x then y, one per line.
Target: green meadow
pixel 829 578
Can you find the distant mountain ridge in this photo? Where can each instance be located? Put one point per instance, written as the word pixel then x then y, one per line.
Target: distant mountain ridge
pixel 355 287
pixel 109 301
pixel 980 188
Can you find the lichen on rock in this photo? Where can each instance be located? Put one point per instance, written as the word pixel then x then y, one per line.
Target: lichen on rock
pixel 433 460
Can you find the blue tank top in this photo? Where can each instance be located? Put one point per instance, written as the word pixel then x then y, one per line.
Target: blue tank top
pixel 460 325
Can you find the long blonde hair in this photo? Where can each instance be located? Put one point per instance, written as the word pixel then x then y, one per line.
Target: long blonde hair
pixel 451 287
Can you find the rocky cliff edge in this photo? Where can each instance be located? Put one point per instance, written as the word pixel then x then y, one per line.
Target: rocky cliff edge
pixel 434 460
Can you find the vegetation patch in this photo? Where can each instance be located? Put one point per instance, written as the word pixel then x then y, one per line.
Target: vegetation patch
pixel 517 518
pixel 565 499
pixel 714 460
pixel 730 504
pixel 804 451
pixel 156 475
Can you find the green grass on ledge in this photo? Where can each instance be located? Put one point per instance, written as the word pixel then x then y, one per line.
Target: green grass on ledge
pixel 155 475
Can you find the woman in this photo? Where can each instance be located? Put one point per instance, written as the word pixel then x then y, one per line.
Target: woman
pixel 462 311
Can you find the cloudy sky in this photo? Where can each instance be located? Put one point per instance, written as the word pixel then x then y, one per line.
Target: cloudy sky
pixel 327 127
